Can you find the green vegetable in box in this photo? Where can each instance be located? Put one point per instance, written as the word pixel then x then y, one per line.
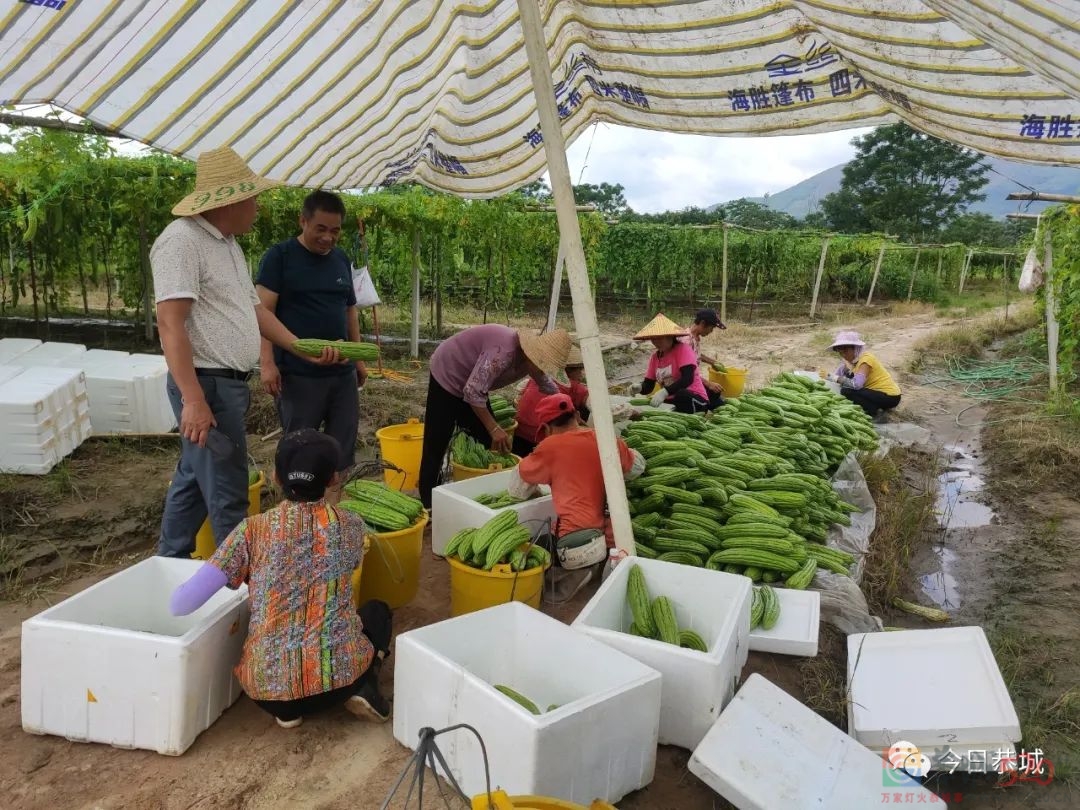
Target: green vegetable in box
pixel 468 452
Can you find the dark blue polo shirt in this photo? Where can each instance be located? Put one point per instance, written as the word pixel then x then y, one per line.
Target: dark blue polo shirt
pixel 313 294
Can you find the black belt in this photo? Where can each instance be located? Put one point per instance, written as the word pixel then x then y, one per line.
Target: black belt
pixel 228 373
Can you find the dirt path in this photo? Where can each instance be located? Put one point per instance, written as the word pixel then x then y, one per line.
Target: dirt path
pixel 333 761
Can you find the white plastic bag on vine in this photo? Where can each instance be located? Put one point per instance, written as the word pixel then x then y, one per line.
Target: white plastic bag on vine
pixel 366 294
pixel 1031 278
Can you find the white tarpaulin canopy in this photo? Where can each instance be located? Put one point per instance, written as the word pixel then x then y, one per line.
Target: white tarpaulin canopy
pixel 355 93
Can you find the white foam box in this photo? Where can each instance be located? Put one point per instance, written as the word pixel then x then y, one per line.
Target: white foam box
pixel 933 688
pixel 43 417
pixel 599 744
pixel 769 751
pixel 56 354
pixel 112 665
pixel 10 348
pixel 453 507
pixel 797 630
pixel 696 685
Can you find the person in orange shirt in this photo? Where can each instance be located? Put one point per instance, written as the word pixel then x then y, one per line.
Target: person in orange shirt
pixel 568 460
pixel 529 430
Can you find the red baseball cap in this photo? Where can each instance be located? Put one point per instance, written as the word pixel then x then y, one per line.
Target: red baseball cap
pixel 553 406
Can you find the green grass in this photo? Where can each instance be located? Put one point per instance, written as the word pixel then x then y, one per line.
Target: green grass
pixel 904 486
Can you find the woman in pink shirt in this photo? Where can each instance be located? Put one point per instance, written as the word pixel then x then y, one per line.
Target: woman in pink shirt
pixel 673 374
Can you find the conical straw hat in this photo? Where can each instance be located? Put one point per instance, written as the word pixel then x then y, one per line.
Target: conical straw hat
pixel 547 351
pixel 221 178
pixel 661 326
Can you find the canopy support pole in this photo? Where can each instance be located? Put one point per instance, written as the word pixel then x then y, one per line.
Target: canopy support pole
pixel 723 280
pixel 556 288
pixel 588 331
pixel 817 278
pixel 877 271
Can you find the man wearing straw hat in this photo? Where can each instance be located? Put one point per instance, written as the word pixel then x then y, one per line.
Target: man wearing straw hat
pixel 464 369
pixel 210 321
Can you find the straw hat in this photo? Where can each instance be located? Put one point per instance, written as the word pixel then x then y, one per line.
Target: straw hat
pixel 848 338
pixel 547 351
pixel 574 358
pixel 221 178
pixel 661 326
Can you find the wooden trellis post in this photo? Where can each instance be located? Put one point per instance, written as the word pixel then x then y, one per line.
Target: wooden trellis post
pixel 820 273
pixel 723 280
pixel 877 270
pixel 914 272
pixel 414 333
pixel 1051 310
pixel 964 269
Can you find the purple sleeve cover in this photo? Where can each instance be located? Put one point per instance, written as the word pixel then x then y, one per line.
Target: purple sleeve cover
pixel 192 595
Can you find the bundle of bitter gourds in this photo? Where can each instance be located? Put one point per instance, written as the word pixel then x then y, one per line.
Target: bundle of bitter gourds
pixel 747 490
pixel 468 452
pixel 502 540
pixel 764 608
pixel 499 500
pixel 383 509
pixel 504 411
pixel 349 350
pixel 655 618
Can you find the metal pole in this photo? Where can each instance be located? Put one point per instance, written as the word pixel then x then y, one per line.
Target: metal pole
pixel 1051 310
pixel 556 288
pixel 914 272
pixel 588 331
pixel 877 270
pixel 820 273
pixel 414 333
pixel 723 280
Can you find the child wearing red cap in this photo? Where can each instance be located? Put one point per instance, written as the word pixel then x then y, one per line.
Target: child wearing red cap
pixel 568 460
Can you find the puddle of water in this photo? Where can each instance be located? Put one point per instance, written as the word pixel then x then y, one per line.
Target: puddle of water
pixel 941 586
pixel 955 506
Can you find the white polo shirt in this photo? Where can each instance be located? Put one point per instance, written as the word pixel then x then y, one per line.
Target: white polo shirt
pixel 191 259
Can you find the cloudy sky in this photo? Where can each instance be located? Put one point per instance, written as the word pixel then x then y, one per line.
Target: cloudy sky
pixel 662 171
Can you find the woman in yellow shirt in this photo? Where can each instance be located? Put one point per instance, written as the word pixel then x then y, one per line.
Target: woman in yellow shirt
pixel 861 376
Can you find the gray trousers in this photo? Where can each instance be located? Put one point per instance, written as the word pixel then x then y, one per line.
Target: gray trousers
pixel 311 402
pixel 202 485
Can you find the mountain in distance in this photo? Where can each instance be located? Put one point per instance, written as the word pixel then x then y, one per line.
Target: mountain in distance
pixel 1005 177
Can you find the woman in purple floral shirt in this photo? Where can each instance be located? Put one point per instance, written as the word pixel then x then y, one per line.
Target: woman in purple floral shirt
pixel 464 369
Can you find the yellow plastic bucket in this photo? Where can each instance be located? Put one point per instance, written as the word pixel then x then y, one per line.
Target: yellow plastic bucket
pixel 500 801
pixel 204 540
pixel 392 565
pixel 402 446
pixel 462 473
pixel 472 589
pixel 357 572
pixel 731 382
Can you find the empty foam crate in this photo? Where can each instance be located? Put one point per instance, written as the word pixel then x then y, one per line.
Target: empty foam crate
pixel 933 688
pixel 112 665
pixel 769 751
pixel 10 348
pixel 797 630
pixel 600 743
pixel 453 507
pixel 56 354
pixel 696 685
pixel 44 416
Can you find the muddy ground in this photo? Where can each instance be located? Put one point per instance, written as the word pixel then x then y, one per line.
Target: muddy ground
pixel 1013 573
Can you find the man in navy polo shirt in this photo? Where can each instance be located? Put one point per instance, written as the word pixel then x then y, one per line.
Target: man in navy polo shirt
pixel 307 282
